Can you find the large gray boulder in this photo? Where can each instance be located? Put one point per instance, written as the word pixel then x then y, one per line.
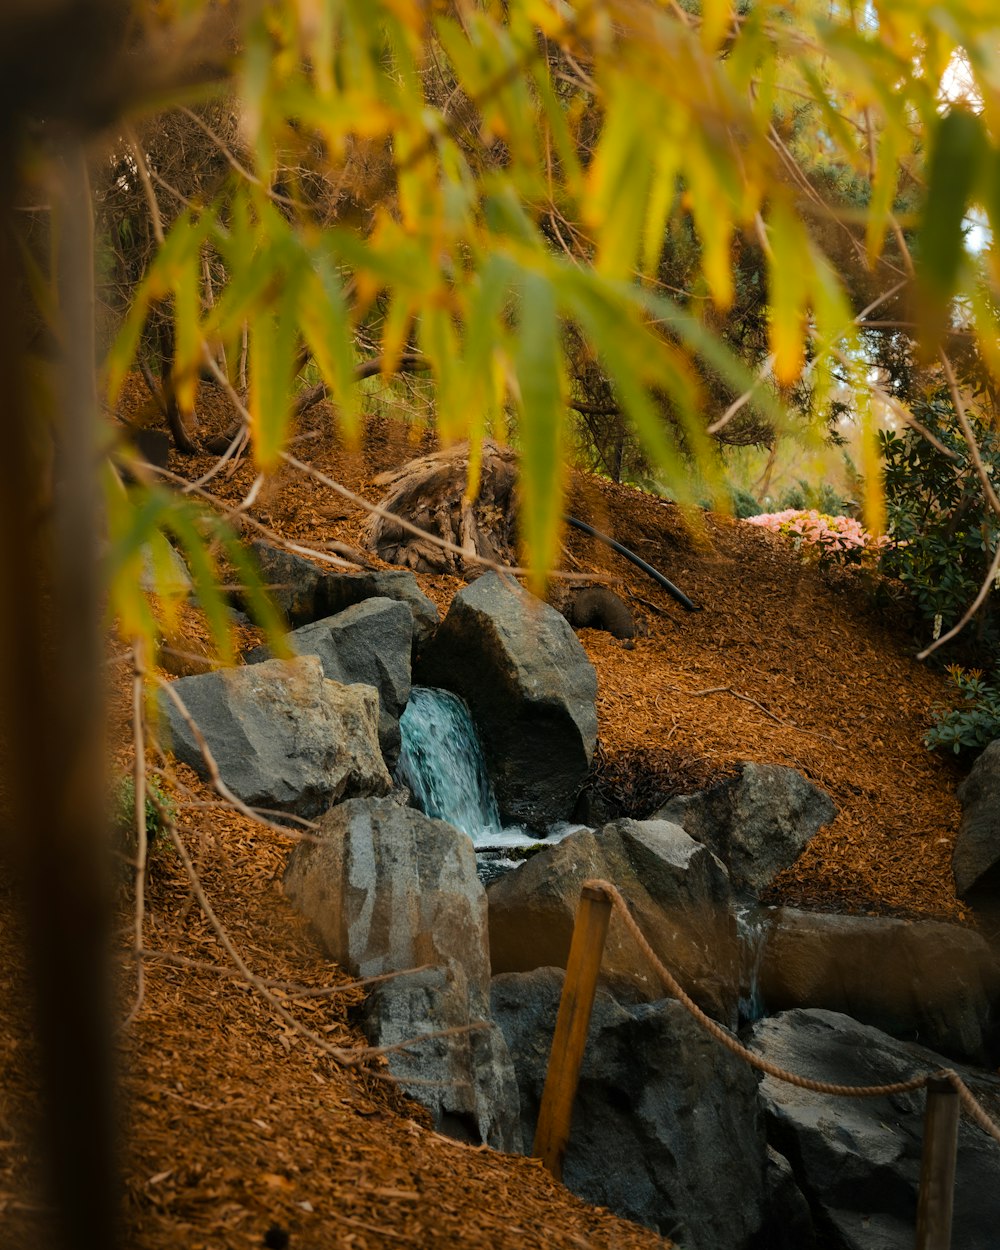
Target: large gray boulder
pixel 976 857
pixel 857 1160
pixel 307 592
pixel 667 1126
pixel 531 690
pixel 938 984
pixel 386 889
pixel 677 891
pixel 367 644
pixel 758 823
pixel 284 737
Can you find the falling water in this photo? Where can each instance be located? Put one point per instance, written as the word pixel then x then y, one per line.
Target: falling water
pixel 753 925
pixel 442 763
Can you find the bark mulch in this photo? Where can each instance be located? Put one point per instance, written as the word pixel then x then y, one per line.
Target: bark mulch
pixel 241 1132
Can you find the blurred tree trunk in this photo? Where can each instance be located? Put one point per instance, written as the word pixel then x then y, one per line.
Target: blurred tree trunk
pixel 52 674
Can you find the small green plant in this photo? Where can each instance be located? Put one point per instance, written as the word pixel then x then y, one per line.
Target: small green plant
pixel 975 723
pixel 158 807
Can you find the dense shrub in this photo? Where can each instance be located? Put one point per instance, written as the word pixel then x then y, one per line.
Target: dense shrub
pixel 975 723
pixel 806 496
pixel 942 532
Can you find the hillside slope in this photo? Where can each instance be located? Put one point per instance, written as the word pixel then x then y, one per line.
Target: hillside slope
pixel 242 1132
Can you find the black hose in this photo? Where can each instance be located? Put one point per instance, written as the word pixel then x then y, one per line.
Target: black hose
pixel 639 563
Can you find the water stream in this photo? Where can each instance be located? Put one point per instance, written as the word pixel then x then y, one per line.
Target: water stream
pixel 753 925
pixel 441 761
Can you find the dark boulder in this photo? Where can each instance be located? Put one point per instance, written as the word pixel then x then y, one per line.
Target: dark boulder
pixel 386 889
pixel 976 857
pixel 677 891
pixel 758 823
pixel 284 737
pixel 531 690
pixel 596 607
pixel 307 592
pixel 857 1160
pixel 667 1127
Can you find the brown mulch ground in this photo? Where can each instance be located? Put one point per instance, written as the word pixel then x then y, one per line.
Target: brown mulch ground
pixel 238 1123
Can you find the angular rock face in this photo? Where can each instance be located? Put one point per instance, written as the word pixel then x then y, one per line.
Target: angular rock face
pixel 306 592
pixel 921 981
pixel 368 644
pixel 857 1160
pixel 387 889
pixel 757 823
pixel 531 691
pixel 667 1127
pixel 676 888
pixel 976 858
pixel 283 736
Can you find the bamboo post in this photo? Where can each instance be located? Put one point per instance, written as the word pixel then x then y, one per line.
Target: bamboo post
pixel 937 1171
pixel 572 1023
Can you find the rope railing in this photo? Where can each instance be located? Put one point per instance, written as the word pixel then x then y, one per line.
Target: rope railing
pixel 598 899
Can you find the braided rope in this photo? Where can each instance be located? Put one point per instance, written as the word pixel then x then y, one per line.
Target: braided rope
pixel 971 1104
pixel 736 1047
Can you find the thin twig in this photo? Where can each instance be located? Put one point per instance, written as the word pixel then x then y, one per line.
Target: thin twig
pixel 291 989
pixel 744 399
pixel 786 724
pixel 977 603
pixel 213 768
pixel 345 1057
pixel 139 789
pixel 147 186
pixel 967 433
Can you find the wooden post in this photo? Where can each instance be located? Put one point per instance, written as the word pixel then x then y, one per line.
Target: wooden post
pixel 570 1037
pixel 937 1171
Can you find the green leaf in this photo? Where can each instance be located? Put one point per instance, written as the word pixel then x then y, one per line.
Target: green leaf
pixel 327 330
pixel 958 148
pixel 538 365
pixel 205 577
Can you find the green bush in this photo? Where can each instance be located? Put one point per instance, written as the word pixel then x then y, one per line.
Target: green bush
pixel 975 723
pixel 158 806
pixel 808 497
pixel 942 532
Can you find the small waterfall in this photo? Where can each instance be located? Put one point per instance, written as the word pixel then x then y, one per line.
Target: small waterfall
pixel 442 763
pixel 753 925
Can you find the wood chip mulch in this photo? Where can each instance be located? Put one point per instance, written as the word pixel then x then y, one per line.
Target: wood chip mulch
pixel 241 1130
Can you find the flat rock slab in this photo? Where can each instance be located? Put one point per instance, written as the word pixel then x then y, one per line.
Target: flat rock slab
pixel 531 690
pixel 937 984
pixel 757 823
pixel 857 1160
pixel 387 889
pixel 283 736
pixel 677 890
pixel 667 1126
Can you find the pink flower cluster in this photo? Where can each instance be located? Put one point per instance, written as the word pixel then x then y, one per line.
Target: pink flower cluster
pixel 838 538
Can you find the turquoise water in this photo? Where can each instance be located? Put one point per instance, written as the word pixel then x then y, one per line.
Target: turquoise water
pixel 442 762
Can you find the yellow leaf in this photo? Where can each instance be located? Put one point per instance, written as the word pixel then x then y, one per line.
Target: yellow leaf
pixel 716 19
pixel 788 268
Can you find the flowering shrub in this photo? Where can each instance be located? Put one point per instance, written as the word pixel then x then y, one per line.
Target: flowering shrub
pixel 834 539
